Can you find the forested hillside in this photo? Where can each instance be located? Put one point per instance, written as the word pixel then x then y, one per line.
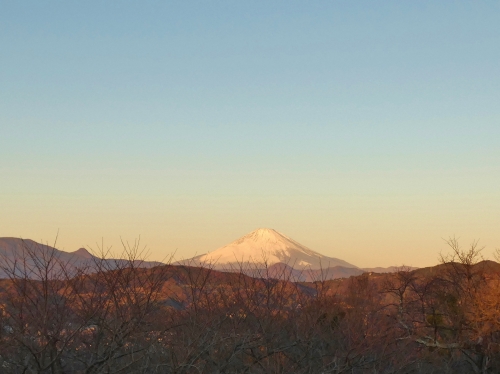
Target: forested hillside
pixel 183 319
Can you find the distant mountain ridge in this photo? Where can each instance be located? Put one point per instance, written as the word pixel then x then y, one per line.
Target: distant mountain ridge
pixel 263 253
pixel 17 252
pixel 13 248
pixel 285 272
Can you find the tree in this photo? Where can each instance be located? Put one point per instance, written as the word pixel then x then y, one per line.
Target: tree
pixel 93 318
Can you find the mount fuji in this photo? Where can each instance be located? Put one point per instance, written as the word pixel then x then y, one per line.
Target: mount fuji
pixel 266 247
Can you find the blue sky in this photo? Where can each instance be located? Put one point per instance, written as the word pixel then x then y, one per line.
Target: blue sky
pixel 366 131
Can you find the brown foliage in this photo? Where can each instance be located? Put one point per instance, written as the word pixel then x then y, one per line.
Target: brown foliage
pixel 115 316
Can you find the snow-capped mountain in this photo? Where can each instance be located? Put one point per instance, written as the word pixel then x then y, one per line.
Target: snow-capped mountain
pixel 266 246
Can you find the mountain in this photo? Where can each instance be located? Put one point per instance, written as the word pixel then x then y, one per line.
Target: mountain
pixel 285 272
pixel 16 248
pixel 265 247
pixel 390 269
pixel 15 253
pixel 264 253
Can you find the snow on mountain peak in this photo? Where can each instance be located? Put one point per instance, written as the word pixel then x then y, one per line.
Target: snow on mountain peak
pixel 263 235
pixel 268 246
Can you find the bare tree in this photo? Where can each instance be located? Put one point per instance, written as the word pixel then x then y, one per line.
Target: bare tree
pixel 61 318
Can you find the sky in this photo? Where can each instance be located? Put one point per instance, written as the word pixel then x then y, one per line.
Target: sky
pixel 367 131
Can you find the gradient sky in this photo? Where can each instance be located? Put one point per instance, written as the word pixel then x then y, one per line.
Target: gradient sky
pixel 366 131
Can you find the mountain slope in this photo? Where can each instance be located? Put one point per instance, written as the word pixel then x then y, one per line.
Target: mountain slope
pixel 16 248
pixel 266 246
pixel 25 255
pixel 282 271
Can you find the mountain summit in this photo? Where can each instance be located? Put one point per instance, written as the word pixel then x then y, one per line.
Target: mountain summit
pixel 270 247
